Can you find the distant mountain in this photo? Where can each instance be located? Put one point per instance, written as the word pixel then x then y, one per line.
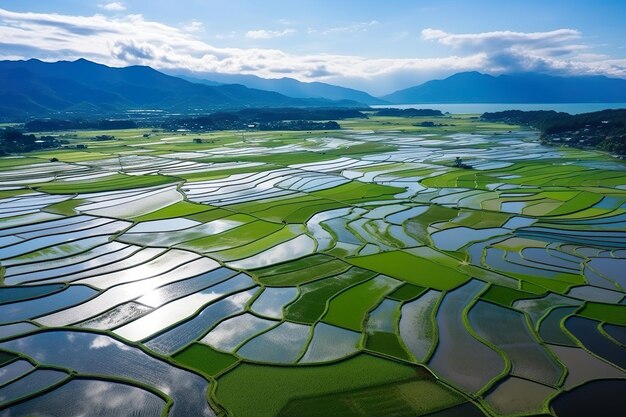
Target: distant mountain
pixel 287 86
pixel 36 88
pixel 474 87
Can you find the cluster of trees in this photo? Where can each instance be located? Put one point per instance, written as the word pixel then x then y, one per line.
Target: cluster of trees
pixel 53 125
pixel 429 123
pixel 14 141
pixel 261 118
pixel 101 138
pixel 292 113
pixel 266 119
pixel 604 129
pixel 299 125
pixel 537 119
pixel 409 112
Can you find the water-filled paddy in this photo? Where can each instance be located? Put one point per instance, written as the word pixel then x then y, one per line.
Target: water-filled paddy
pixel 417 324
pixel 186 332
pixel 91 397
pixel 99 354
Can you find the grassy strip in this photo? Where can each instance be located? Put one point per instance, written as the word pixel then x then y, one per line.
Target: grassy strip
pixel 204 359
pixel 311 304
pixel 180 209
pixel 240 389
pixel 610 313
pixel 409 268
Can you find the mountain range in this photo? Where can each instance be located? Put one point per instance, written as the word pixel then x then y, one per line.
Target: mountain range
pixel 287 86
pixel 35 88
pixel 474 87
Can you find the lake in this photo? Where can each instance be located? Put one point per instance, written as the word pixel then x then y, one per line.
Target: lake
pixel 480 108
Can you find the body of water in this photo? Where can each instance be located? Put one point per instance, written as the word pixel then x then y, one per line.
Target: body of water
pixel 480 108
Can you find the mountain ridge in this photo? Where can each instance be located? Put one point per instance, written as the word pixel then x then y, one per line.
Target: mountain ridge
pixel 37 88
pixel 34 88
pixel 285 85
pixel 476 87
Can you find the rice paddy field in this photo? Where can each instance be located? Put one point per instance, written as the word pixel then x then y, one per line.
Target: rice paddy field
pixel 343 273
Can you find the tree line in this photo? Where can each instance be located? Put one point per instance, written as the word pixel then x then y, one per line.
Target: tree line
pixel 605 130
pixel 14 141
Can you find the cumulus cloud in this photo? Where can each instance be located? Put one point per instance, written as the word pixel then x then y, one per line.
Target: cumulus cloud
pixel 268 34
pixel 121 40
pixel 500 39
pixel 115 6
pixel 132 39
pixel 131 51
pixel 559 50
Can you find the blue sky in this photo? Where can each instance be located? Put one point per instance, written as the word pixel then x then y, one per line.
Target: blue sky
pixel 377 46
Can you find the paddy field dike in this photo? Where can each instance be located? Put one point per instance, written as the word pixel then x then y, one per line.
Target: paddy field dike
pixel 353 272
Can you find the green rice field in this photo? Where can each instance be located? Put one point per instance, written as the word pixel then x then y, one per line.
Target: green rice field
pixel 355 272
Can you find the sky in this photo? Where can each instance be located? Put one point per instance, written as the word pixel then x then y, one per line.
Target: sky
pixel 373 45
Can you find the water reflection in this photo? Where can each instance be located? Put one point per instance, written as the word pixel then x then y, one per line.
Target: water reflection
pixel 282 344
pixel 230 333
pixel 82 398
pixel 38 380
pixel 271 302
pixel 14 370
pixel 455 238
pixel 180 309
pixel 99 354
pixel 294 248
pixel 38 306
pixel 177 337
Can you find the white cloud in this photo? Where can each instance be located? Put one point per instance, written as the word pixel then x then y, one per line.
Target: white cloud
pixel 115 6
pixel 194 26
pixel 132 39
pixel 554 43
pixel 355 27
pixel 522 51
pixel 502 38
pixel 101 342
pixel 268 34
